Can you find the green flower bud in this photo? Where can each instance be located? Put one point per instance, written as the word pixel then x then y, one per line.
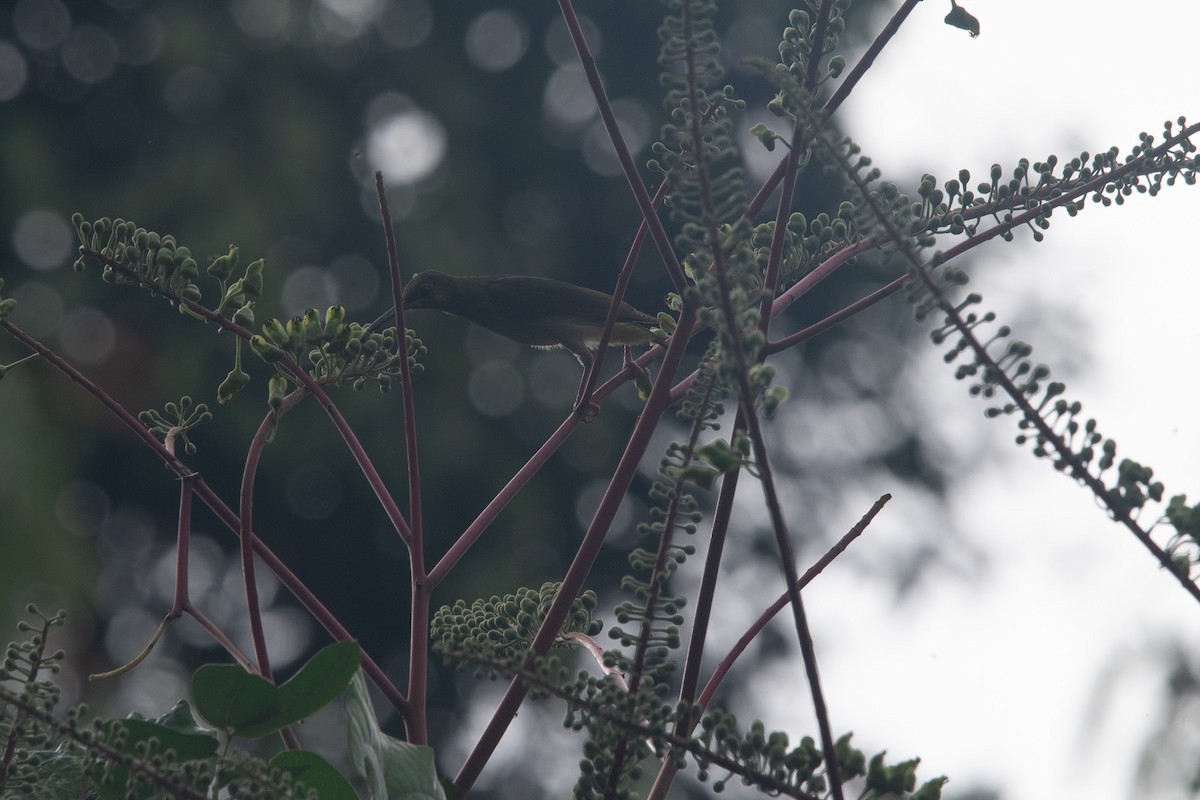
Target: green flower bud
pixel 252 282
pixel 296 337
pixel 720 455
pixel 760 374
pixel 310 325
pixel 265 350
pixel 187 265
pixel 277 388
pixel 335 317
pixel 338 341
pixel 930 790
pixel 764 135
pixel 960 18
pixel 164 262
pixel 275 331
pixel 244 315
pixel 701 475
pixel 772 398
pixel 222 267
pixel 191 292
pixel 234 382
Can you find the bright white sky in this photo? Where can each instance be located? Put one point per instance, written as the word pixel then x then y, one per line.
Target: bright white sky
pixel 991 682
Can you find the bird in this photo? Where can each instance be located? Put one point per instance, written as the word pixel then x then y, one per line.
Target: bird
pixel 540 312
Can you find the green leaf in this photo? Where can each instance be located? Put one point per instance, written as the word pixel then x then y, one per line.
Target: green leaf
pixel 393 769
pixel 247 705
pixel 318 682
pixel 315 773
pixel 229 698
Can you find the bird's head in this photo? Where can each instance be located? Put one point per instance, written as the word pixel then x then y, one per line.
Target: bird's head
pixel 430 290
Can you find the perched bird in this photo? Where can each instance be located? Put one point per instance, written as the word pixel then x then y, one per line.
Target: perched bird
pixel 541 312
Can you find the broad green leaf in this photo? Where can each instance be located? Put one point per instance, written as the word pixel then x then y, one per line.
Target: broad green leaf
pixel 318 682
pixel 393 769
pixel 229 698
pixel 247 705
pixel 323 678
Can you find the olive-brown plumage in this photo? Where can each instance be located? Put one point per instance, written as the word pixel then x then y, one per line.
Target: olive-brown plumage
pixel 541 312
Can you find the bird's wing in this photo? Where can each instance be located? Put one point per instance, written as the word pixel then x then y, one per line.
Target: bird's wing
pixel 542 298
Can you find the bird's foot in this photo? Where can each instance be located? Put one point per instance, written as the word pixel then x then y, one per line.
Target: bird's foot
pixel 585 407
pixel 632 365
pixel 587 411
pixel 641 376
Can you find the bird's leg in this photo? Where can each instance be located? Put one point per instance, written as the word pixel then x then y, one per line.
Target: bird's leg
pixel 589 410
pixel 641 376
pixel 631 365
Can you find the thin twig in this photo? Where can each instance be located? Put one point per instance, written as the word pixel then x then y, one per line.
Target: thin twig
pixel 668 769
pixel 726 663
pixel 657 232
pixel 585 557
pixel 418 650
pixel 205 492
pixel 592 374
pixel 246 538
pixel 1078 468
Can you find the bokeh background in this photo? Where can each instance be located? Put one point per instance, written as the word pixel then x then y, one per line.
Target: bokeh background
pixel 977 617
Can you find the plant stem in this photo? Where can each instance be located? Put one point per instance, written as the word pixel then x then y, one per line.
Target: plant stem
pixel 585 557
